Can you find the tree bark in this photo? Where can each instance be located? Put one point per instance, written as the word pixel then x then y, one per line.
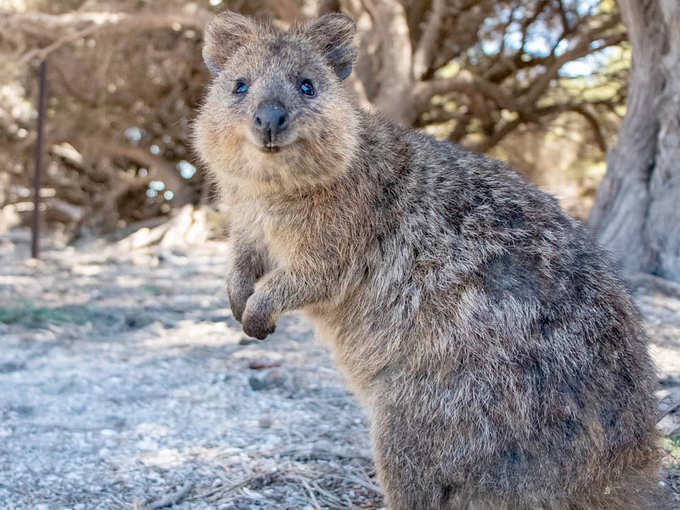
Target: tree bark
pixel 636 214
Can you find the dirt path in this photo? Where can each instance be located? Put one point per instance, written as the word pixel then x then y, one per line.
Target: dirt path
pixel 125 383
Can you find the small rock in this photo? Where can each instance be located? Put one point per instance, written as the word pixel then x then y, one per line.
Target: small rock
pixel 265 422
pixel 23 410
pixel 274 378
pixel 262 363
pixel 10 366
pixel 116 422
pixel 257 383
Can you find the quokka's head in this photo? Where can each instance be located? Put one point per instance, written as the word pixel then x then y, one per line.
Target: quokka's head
pixel 277 111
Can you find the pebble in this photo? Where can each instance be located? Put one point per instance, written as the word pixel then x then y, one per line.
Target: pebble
pixel 10 366
pixel 261 363
pixel 274 378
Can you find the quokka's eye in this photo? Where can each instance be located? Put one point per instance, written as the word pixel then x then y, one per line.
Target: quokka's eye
pixel 240 88
pixel 307 88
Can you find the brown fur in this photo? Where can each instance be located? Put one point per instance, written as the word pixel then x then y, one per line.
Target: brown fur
pixel 500 361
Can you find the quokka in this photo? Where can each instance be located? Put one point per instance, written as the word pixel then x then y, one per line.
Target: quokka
pixel 500 361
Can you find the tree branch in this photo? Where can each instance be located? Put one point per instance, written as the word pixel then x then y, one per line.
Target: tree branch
pixel 70 26
pixel 466 84
pixel 422 58
pixel 530 20
pixel 585 47
pixel 394 97
pixel 593 123
pixel 42 53
pixel 498 135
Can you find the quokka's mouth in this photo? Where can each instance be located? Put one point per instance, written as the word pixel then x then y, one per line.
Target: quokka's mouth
pixel 270 148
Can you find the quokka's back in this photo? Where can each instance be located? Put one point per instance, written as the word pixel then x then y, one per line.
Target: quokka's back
pixel 499 359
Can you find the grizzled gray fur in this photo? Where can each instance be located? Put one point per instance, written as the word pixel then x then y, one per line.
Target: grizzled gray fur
pixel 500 361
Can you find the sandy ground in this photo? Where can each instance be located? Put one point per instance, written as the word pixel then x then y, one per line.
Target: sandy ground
pixel 125 383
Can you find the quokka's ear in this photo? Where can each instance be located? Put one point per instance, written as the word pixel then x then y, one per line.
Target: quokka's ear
pixel 223 35
pixel 335 36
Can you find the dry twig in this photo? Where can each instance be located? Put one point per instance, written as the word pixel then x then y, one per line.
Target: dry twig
pixel 171 499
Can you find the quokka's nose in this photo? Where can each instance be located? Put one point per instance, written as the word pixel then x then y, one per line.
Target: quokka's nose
pixel 271 118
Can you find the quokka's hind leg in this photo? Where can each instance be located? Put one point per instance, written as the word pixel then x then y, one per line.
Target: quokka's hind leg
pixel 635 490
pixel 408 482
pixel 405 492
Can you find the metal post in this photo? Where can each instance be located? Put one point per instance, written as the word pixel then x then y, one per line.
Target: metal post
pixel 38 154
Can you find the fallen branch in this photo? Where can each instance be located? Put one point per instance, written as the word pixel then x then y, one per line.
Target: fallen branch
pixel 263 479
pixel 171 499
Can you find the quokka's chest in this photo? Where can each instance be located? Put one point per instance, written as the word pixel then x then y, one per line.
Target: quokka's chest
pixel 305 232
pixel 286 238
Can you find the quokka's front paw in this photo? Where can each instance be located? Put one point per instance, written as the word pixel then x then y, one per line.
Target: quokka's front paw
pixel 257 319
pixel 237 305
pixel 239 291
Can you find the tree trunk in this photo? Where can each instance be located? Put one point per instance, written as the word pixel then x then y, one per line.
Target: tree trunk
pixel 637 211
